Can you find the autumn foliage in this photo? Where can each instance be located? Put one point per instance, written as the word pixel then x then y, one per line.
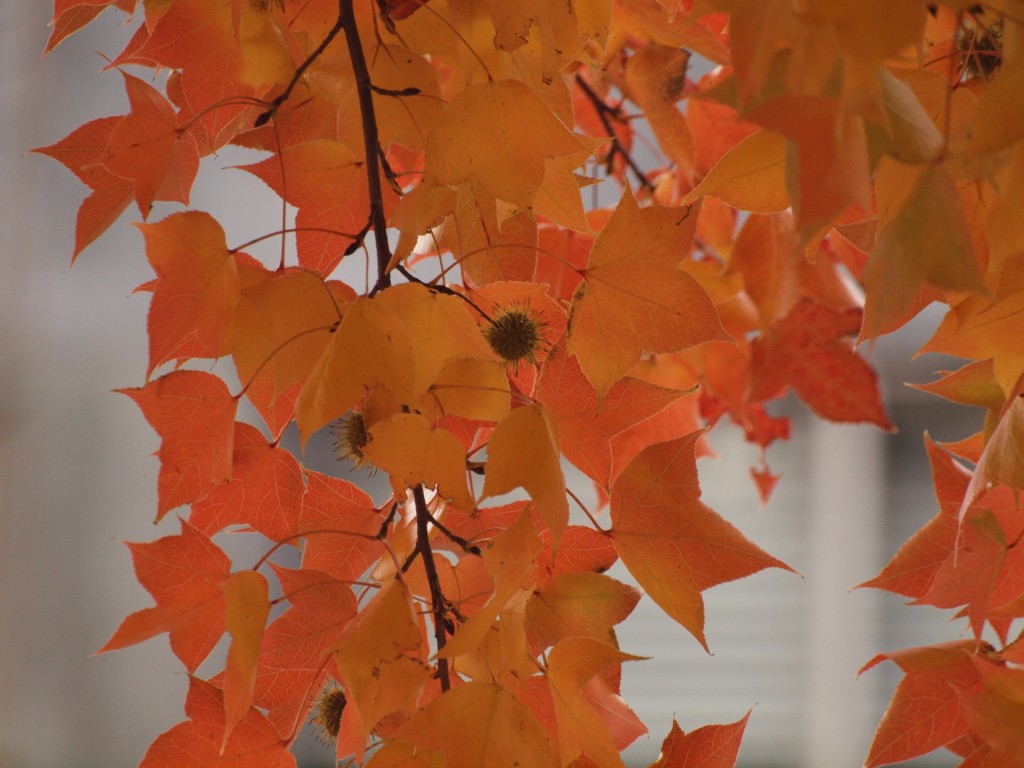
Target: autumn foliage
pixel 841 166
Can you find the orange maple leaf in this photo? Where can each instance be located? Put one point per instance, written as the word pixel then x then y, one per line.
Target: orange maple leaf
pixel 925 712
pixel 634 298
pixel 326 181
pixel 184 574
pixel 673 544
pixel 198 742
pixel 195 291
pixel 503 730
pixel 203 40
pixel 265 492
pixel 710 746
pixel 69 16
pixel 149 148
pixel 296 650
pixel 585 426
pixel 808 350
pixel 194 414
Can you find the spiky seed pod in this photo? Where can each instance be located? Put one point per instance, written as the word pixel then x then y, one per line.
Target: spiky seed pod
pixel 980 48
pixel 350 431
pixel 515 335
pixel 327 718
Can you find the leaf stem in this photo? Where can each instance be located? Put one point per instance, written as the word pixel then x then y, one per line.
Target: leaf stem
pixel 586 511
pixel 292 230
pixel 312 532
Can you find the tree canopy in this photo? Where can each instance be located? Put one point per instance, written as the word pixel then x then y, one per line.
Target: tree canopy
pixel 592 231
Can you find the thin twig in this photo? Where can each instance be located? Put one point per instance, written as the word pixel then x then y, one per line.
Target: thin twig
pixel 603 111
pixel 283 96
pixel 441 288
pixel 472 549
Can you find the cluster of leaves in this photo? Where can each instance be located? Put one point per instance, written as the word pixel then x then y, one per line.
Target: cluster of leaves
pixel 841 167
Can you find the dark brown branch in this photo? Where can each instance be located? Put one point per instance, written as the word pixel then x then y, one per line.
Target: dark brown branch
pixel 437 600
pixel 371 142
pixel 472 549
pixel 357 239
pixel 389 173
pixel 410 91
pixel 603 112
pixel 383 532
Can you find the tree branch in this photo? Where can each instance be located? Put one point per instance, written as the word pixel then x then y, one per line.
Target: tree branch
pixel 472 549
pixel 437 599
pixel 371 142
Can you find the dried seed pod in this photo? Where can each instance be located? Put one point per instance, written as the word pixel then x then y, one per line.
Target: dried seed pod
pixel 327 718
pixel 980 47
pixel 515 335
pixel 350 431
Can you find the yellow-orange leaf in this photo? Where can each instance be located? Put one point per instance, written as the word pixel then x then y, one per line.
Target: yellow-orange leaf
pixel 498 133
pixel 580 604
pixel 674 545
pixel 440 327
pixel 979 328
pixel 479 725
pixel 510 562
pixel 418 210
pixel 371 348
pixel 927 242
pixel 281 327
pixel 412 452
pixel 999 119
pixel 377 656
pixel 246 609
pixel 915 139
pixel 523 452
pixel 974 384
pixel 558 199
pixel 751 175
pixel 635 298
pixel 571 664
pixel 656 79
pixel 1002 461
pixel 471 388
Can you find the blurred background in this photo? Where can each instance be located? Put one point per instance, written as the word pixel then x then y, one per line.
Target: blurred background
pixel 76 477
